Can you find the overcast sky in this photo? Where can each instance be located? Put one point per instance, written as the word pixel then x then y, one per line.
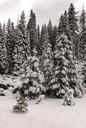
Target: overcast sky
pixel 44 9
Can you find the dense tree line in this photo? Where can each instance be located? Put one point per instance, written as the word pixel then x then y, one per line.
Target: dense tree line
pixel 49 51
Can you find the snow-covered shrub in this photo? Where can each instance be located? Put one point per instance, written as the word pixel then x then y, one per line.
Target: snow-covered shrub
pixel 22 103
pixel 69 98
pixel 40 98
pixel 84 74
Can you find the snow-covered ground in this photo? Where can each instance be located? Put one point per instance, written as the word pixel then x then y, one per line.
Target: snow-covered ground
pixel 50 114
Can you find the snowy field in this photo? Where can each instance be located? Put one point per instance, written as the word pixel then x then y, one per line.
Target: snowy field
pixel 50 114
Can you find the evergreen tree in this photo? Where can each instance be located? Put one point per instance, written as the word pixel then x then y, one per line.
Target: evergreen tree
pixel 54 35
pixel 10 44
pixel 22 100
pixel 39 39
pixel 3 52
pixel 31 27
pixel 66 25
pixel 65 72
pixel 72 19
pixel 83 79
pixel 82 45
pixel 84 74
pixel 44 38
pixel 47 64
pixel 61 25
pixel 22 47
pixel 72 22
pixel 82 36
pixel 33 77
pixel 50 32
pixel 83 20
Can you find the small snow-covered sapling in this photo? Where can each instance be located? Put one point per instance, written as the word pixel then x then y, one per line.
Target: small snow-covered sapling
pixel 69 98
pixel 40 99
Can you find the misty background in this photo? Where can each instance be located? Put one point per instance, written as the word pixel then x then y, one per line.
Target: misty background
pixel 44 10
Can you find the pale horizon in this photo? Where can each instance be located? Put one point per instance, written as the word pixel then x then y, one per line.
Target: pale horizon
pixel 44 10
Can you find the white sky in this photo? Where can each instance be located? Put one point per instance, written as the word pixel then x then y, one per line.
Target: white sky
pixel 44 9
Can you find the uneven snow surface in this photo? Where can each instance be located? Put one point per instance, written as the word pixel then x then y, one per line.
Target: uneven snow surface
pixel 50 114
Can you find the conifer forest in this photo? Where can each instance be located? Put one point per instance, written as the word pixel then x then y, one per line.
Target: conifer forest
pixel 43 71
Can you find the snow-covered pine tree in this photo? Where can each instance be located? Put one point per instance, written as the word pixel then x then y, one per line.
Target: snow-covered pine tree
pixel 38 38
pixel 69 98
pixel 50 33
pixel 66 26
pixel 73 27
pixel 83 20
pixel 22 46
pixel 47 58
pixel 84 73
pixel 41 40
pixel 10 44
pixel 33 77
pixel 82 45
pixel 82 36
pixel 72 19
pixel 47 64
pixel 44 38
pixel 31 83
pixel 3 52
pixel 61 25
pixel 54 35
pixel 31 28
pixel 22 99
pixel 65 73
pixel 83 78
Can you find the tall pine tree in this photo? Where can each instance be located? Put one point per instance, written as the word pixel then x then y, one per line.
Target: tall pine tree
pixel 64 76
pixel 47 61
pixel 54 35
pixel 10 44
pixel 22 46
pixel 61 25
pixel 73 26
pixel 50 33
pixel 3 52
pixel 83 20
pixel 31 27
pixel 82 36
pixel 34 77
